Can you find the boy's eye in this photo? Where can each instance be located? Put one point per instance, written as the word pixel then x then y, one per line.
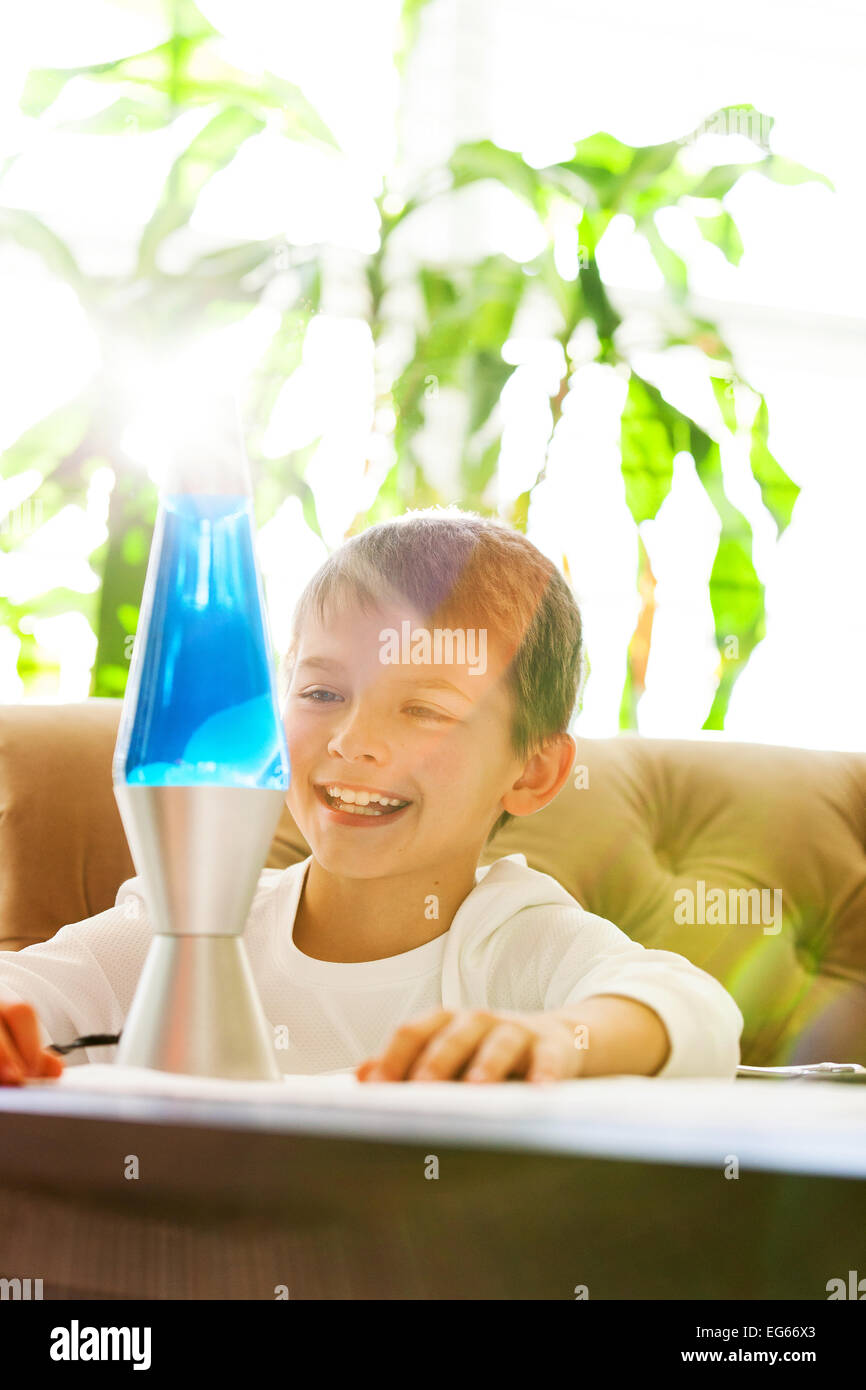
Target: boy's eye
pixel 319 696
pixel 427 713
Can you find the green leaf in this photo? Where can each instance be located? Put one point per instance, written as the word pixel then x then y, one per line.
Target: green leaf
pixel 33 235
pixel 647 449
pixel 470 316
pixel 187 70
pixel 565 294
pixel 126 116
pixel 722 231
pixel 484 160
pixel 737 598
pixel 648 162
pixel 599 163
pixel 476 474
pixel 618 173
pixel 108 680
pixel 127 614
pixel 233 262
pixel 212 150
pixel 283 355
pixel 410 20
pixel 637 654
pixel 277 479
pixel 724 394
pixel 53 438
pixel 41 89
pixel 206 78
pixel 719 181
pixel 311 515
pixel 488 373
pixel 782 170
pixel 778 491
pixel 736 592
pixel 672 266
pixel 654 431
pixel 598 306
pixel 591 228
pixel 300 121
pixel 743 120
pixel 187 21
pixel 219 312
pixel 132 507
pixel 134 547
pixel 439 290
pixel 478 318
pixel 152 67
pixel 601 152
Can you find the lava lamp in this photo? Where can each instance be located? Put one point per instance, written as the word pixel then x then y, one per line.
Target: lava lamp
pixel 201 765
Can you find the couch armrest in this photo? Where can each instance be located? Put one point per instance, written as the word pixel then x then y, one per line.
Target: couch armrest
pixel 62 843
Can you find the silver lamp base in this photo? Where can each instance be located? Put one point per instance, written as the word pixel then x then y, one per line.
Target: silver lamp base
pixel 199 852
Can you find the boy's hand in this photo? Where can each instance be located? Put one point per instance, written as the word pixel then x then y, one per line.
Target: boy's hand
pixel 22 1056
pixel 491 1046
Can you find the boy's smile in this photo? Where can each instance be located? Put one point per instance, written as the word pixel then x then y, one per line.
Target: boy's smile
pixel 363 805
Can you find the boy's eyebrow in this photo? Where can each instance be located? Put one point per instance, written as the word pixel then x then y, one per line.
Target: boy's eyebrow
pixel 321 661
pixel 425 682
pixel 437 683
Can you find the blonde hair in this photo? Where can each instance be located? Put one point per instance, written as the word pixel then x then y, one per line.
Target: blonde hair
pixel 450 564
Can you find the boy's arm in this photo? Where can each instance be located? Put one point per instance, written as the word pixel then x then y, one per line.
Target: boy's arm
pixel 617 1036
pixel 81 980
pixel 701 1021
pixel 628 1038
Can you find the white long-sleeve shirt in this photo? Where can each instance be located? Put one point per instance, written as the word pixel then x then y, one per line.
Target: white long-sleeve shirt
pixel 518 942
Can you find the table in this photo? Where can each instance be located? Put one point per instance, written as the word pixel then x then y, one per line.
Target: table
pixel 324 1188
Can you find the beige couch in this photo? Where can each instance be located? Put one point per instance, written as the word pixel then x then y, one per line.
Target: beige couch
pixel 648 820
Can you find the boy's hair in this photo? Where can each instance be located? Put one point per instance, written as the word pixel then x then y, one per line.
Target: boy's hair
pixel 452 565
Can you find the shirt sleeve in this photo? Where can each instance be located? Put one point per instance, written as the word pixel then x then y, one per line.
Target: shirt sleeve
pixel 570 955
pixel 83 979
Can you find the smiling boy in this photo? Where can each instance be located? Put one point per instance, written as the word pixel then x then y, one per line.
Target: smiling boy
pixel 388 951
pixel 526 983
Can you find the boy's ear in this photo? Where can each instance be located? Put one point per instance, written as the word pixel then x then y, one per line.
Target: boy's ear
pixel 542 777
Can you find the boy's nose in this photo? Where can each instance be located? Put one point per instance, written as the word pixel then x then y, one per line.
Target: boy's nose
pixel 359 737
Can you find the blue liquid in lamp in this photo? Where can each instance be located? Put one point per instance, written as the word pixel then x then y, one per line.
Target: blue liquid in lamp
pixel 202 701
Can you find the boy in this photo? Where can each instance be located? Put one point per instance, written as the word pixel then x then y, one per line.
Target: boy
pixel 432 671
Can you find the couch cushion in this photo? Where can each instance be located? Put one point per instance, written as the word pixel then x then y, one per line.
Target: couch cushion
pixel 652 817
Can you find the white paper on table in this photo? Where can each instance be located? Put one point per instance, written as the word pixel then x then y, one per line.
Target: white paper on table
pixel 694 1102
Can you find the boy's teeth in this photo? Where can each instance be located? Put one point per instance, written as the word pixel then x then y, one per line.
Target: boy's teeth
pixel 361 799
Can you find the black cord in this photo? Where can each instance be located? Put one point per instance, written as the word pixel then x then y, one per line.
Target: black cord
pixel 91 1040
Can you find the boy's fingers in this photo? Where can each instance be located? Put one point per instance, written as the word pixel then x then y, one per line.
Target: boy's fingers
pixel 449 1051
pixel 551 1060
pixel 21 1052
pixel 11 1061
pixel 21 1024
pixel 502 1052
pixel 406 1043
pixel 51 1064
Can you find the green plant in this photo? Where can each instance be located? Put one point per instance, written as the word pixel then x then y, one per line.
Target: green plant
pixel 466 315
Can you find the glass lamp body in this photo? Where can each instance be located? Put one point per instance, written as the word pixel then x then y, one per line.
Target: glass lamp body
pixel 201 704
pixel 200 772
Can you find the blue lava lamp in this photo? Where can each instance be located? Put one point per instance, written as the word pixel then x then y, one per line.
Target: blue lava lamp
pixel 201 766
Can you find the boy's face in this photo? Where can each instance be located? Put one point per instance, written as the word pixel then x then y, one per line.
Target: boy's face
pixel 360 722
